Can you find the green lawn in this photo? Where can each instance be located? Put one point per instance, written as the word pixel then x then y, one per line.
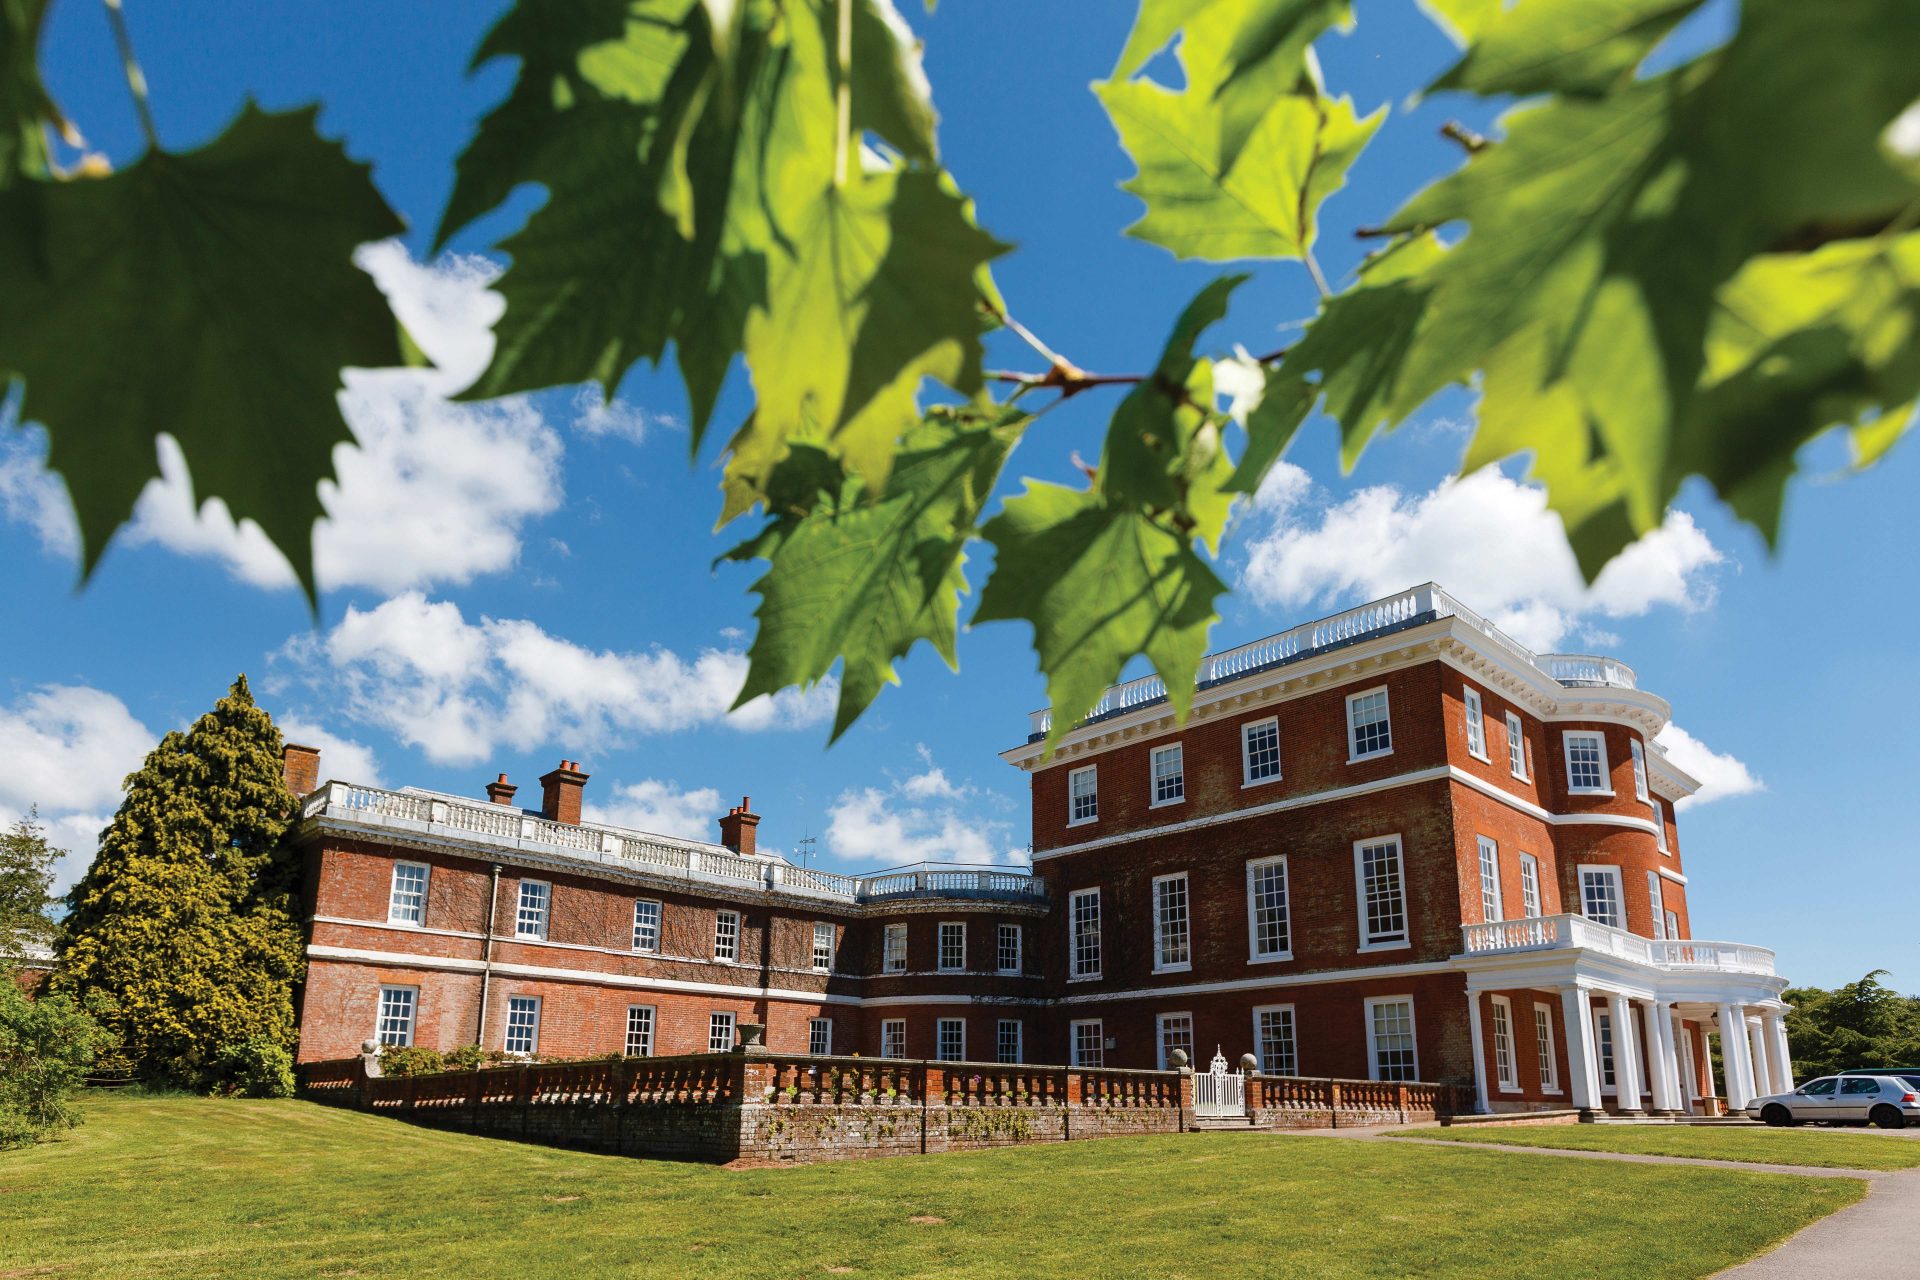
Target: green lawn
pixel 193 1187
pixel 1817 1148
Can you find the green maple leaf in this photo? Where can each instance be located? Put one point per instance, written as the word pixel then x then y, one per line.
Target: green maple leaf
pixel 1212 188
pixel 218 289
pixel 1559 46
pixel 861 581
pixel 1100 582
pixel 25 108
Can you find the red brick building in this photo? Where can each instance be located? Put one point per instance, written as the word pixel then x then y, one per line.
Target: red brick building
pixel 1392 844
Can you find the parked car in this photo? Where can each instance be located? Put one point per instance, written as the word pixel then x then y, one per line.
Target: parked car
pixel 1910 1074
pixel 1884 1100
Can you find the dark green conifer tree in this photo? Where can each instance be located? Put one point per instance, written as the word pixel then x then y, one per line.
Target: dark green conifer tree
pixel 184 933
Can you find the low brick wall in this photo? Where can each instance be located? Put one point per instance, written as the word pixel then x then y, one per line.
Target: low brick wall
pixel 1296 1102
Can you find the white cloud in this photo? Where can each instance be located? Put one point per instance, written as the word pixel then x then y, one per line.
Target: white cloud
pixel 1487 538
pixel 459 689
pixel 618 420
pixel 67 750
pixel 1721 776
pixel 663 808
pixel 921 818
pixel 33 496
pixel 341 759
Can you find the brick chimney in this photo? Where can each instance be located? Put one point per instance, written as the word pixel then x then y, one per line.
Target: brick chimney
pixel 302 768
pixel 736 828
pixel 560 793
pixel 501 791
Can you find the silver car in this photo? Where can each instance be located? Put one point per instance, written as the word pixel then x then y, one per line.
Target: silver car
pixel 1887 1101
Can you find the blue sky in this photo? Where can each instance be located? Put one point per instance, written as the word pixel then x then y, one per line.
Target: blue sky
pixel 516 583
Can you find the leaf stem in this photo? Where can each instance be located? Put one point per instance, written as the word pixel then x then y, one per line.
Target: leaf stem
pixel 136 79
pixel 843 97
pixel 1071 381
pixel 1313 269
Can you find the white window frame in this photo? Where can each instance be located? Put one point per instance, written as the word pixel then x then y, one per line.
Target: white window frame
pixel 1077 970
pixel 957 1029
pixel 716 1019
pixel 642 1033
pixel 1658 899
pixel 1161 1024
pixel 539 915
pixel 951 929
pixel 1532 906
pixel 1176 751
pixel 1247 731
pixel 1019 935
pixel 1506 1063
pixel 395 1037
pixel 893 1038
pixel 1604 1044
pixel 1545 1057
pixel 1273 1068
pixel 1074 817
pixel 1619 892
pixel 823 946
pixel 1673 925
pixel 1385 942
pixel 516 1005
pixel 1255 866
pixel 1516 746
pixel 731 952
pixel 1639 751
pixel 1079 1032
pixel 396 911
pixel 1373 1046
pixel 820 1037
pixel 1355 756
pixel 1172 953
pixel 1019 1040
pixel 893 958
pixel 1476 726
pixel 1599 740
pixel 1493 907
pixel 1659 825
pixel 658 913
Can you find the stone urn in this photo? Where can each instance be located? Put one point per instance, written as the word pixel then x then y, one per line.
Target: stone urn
pixel 753 1035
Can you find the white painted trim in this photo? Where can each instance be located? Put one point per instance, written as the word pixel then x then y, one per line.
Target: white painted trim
pixel 1476 711
pixel 1153 775
pixel 1567 737
pixel 1246 756
pixel 739 932
pixel 940 964
pixel 1073 1040
pixel 1094 817
pixel 1413 1032
pixel 1019 949
pixel 426 891
pixel 893 1022
pixel 1638 751
pixel 1254 955
pixel 1675 876
pixel 1319 978
pixel 1360 894
pixel 413 1012
pixel 886 933
pixel 1539 904
pixel 1516 722
pixel 1387 703
pixel 546 910
pixel 1619 889
pixel 1481 846
pixel 892 1002
pixel 1100 941
pixel 940 1026
pixel 1153 899
pixel 1293 1024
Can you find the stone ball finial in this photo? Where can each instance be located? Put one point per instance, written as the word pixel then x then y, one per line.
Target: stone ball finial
pixel 1177 1059
pixel 370 1047
pixel 1249 1063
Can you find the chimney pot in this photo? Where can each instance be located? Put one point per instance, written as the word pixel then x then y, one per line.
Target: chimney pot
pixel 560 793
pixel 736 828
pixel 501 791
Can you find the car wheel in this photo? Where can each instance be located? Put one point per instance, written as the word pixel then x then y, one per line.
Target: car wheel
pixel 1777 1116
pixel 1888 1118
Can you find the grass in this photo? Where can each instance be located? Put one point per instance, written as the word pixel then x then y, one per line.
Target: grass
pixel 1815 1148
pixel 160 1187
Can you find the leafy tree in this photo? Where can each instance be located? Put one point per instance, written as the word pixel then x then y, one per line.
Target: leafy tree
pixel 185 926
pixel 26 882
pixel 46 1046
pixel 1660 267
pixel 1861 1024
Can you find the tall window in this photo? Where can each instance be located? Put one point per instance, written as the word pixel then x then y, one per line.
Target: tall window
pixel 1273 1038
pixel 1169 774
pixel 1260 751
pixel 394 1023
pixel 1490 881
pixel 1658 899
pixel 1171 949
pixel 1603 1032
pixel 1639 769
pixel 1516 747
pixel 720 1033
pixel 639 1031
pixel 1088 1043
pixel 1659 824
pixel 1175 1031
pixel 1009 949
pixel 1600 895
pixel 1083 795
pixel 1587 763
pixel 1476 726
pixel 646 925
pixel 1009 1041
pixel 894 958
pixel 893 1038
pixel 1529 885
pixel 1083 915
pixel 950 1040
pixel 823 946
pixel 1390 1038
pixel 1673 925
pixel 953 946
pixel 1369 732
pixel 530 921
pixel 1505 1067
pixel 1383 902
pixel 1543 1049
pixel 820 1036
pixel 407 903
pixel 726 935
pixel 523 1025
pixel 1268 923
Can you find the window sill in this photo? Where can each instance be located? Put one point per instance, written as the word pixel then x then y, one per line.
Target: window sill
pixel 1246 782
pixel 1174 968
pixel 1591 791
pixel 1404 944
pixel 1509 1088
pixel 1481 756
pixel 945 969
pixel 1521 777
pixel 1167 804
pixel 1083 822
pixel 1008 973
pixel 1085 977
pixel 1552 1091
pixel 1371 755
pixel 1276 958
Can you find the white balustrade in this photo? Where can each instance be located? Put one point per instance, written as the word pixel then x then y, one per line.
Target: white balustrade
pixel 1547 933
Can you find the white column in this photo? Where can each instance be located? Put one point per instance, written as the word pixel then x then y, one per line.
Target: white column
pixel 1762 1070
pixel 1626 1052
pixel 1583 1061
pixel 1776 1021
pixel 1479 1054
pixel 1664 1079
pixel 1734 1052
pixel 1684 1062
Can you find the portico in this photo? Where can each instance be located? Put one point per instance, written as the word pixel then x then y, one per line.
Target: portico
pixel 1633 1013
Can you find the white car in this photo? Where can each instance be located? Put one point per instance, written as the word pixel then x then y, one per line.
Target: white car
pixel 1887 1101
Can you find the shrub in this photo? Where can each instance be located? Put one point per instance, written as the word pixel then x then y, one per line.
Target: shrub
pixel 46 1046
pixel 410 1061
pixel 256 1068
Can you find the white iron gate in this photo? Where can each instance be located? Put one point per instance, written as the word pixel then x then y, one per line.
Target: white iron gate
pixel 1219 1092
